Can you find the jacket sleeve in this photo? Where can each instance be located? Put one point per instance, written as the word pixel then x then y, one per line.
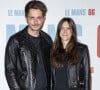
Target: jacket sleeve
pixel 87 76
pixel 10 64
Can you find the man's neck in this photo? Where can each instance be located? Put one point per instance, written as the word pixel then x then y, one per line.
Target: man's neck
pixel 33 33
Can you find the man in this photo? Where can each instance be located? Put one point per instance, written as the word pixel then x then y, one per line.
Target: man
pixel 27 56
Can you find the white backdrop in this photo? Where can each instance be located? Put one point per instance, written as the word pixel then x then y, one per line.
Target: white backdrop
pixel 86 14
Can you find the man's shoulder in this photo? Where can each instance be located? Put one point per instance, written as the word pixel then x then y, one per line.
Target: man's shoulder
pixel 18 36
pixel 46 36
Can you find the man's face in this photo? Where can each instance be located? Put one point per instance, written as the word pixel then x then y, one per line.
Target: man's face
pixel 35 19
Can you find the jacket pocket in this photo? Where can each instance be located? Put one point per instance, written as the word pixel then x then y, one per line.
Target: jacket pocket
pixel 23 80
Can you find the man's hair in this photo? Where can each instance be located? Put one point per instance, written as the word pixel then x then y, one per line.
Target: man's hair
pixel 35 4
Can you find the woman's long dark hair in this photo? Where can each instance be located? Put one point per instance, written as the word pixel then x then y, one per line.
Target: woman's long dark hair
pixel 71 52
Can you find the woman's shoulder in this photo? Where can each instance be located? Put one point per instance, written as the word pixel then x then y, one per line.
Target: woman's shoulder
pixel 81 45
pixel 83 49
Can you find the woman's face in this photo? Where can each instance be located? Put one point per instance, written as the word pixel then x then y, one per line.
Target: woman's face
pixel 65 32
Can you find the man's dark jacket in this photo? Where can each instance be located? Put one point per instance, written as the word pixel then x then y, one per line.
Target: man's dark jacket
pixel 21 61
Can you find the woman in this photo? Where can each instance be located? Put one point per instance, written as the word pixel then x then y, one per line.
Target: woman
pixel 70 59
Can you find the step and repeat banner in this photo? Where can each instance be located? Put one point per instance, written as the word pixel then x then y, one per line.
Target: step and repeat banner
pixel 86 14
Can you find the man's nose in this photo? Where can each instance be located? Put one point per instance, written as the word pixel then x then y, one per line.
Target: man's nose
pixel 35 21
